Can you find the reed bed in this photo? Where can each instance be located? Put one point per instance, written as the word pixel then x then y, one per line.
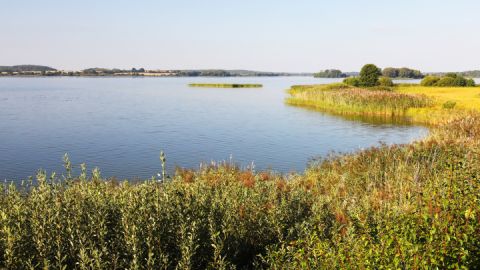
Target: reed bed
pixel 403 206
pixel 344 100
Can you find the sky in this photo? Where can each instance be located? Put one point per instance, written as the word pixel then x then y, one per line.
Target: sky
pixel 265 35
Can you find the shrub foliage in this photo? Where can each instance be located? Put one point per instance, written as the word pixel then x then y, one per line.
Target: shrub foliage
pixel 403 206
pixel 385 81
pixel 330 73
pixel 450 79
pixel 402 73
pixel 369 75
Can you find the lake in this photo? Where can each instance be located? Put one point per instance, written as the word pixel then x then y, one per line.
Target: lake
pixel 121 124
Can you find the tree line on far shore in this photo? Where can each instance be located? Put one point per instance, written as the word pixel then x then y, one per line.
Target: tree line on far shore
pixel 390 72
pixel 372 76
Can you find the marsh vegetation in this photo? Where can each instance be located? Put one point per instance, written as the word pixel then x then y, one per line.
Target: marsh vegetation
pixel 344 99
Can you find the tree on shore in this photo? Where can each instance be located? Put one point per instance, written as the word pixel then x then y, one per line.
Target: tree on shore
pixel 369 75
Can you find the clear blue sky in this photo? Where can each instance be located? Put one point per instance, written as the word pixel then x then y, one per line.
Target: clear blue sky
pixel 273 35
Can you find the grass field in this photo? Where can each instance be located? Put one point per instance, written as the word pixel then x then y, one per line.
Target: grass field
pixel 418 104
pixel 466 97
pixel 225 85
pixel 461 99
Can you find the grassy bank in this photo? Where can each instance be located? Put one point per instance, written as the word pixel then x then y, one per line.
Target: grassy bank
pixel 448 102
pixel 413 206
pixel 418 104
pixel 225 85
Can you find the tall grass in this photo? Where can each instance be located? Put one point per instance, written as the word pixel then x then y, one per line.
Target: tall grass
pixel 341 99
pixel 404 206
pixel 399 207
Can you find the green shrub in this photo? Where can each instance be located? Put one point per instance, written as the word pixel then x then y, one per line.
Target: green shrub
pixel 451 75
pixel 369 75
pixel 385 81
pixel 470 83
pixel 460 81
pixel 450 79
pixel 446 81
pixel 353 81
pixel 420 238
pixel 429 81
pixel 449 104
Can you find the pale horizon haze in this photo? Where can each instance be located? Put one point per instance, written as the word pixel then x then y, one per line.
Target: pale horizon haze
pixel 289 36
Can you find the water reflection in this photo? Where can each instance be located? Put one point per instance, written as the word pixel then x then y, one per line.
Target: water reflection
pixel 121 124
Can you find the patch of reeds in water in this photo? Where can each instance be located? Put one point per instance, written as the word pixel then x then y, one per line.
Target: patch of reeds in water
pixel 346 100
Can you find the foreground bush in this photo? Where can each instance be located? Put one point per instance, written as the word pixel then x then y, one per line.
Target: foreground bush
pixel 404 206
pixel 215 217
pixel 401 207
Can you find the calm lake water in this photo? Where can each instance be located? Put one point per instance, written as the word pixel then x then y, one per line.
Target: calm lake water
pixel 121 124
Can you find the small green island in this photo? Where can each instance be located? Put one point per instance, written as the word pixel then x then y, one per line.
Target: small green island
pixel 226 85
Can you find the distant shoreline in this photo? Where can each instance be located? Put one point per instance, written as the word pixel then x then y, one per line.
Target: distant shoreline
pixel 45 71
pixel 149 76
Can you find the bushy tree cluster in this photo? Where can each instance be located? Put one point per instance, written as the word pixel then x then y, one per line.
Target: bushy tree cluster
pixel 134 70
pixel 330 73
pixel 402 73
pixel 369 77
pixel 450 79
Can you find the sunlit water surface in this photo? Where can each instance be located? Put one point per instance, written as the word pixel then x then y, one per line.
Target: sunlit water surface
pixel 121 124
